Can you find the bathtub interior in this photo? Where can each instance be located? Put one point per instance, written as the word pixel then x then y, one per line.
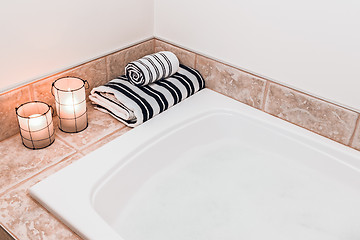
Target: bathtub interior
pixel 224 175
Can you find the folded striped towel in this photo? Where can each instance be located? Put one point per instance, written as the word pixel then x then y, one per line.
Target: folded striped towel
pixel 134 105
pixel 151 68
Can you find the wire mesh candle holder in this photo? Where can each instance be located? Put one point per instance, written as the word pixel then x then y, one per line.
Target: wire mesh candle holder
pixel 35 124
pixel 70 98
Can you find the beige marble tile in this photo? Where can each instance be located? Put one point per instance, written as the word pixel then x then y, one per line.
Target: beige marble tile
pixel 185 57
pixel 319 116
pixel 18 163
pixel 8 102
pixel 116 62
pixel 138 51
pixel 42 91
pixel 27 219
pixel 94 72
pixel 356 141
pixel 102 142
pixel 100 125
pixel 232 82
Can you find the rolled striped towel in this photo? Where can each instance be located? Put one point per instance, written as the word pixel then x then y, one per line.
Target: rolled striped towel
pixel 134 105
pixel 152 68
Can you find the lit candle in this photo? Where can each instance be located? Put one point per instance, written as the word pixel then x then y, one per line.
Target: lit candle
pixel 37 122
pixel 69 93
pixel 36 125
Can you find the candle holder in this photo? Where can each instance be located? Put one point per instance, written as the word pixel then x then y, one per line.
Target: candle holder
pixel 35 124
pixel 70 98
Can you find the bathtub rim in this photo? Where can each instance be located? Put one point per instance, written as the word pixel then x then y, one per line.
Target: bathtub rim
pixel 88 224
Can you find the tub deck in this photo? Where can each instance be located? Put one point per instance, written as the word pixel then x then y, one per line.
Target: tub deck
pixel 210 168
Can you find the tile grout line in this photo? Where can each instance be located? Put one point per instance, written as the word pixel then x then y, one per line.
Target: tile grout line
pixel 65 142
pixel 101 139
pixel 32 92
pixel 106 69
pixel 53 165
pixel 267 86
pixel 63 159
pixel 37 173
pixel 312 131
pixel 196 56
pixel 154 45
pixel 357 124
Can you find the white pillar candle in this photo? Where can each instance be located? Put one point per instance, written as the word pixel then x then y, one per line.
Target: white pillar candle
pixel 69 93
pixel 36 125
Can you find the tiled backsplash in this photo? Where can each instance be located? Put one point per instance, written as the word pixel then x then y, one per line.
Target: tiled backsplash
pixel 232 82
pixel 322 117
pixel 316 115
pixel 327 119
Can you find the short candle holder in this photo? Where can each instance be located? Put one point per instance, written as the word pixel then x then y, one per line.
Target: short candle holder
pixel 70 98
pixel 35 124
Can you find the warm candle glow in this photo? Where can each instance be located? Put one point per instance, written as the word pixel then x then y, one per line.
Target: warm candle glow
pixel 36 126
pixel 68 107
pixel 69 93
pixel 37 122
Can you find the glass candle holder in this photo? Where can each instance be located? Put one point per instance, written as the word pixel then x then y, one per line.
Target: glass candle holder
pixel 36 124
pixel 70 98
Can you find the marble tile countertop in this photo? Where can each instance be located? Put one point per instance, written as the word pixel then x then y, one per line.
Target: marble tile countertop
pixel 21 168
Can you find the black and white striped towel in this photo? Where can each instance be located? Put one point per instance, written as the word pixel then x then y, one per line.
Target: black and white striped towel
pixel 134 105
pixel 151 68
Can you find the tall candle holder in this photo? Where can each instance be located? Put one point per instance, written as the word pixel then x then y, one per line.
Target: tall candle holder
pixel 35 124
pixel 70 98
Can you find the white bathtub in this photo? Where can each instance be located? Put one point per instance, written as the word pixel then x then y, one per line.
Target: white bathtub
pixel 210 168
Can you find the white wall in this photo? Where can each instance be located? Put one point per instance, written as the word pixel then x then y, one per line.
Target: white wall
pixel 40 37
pixel 312 45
